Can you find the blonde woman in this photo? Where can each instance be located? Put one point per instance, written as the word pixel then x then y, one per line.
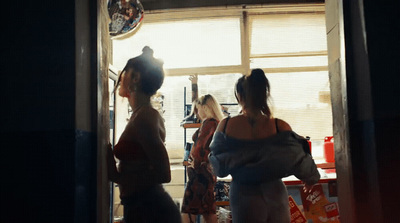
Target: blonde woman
pixel 199 192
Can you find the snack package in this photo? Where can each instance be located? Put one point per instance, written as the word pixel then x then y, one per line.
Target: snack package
pixel 296 216
pixel 317 207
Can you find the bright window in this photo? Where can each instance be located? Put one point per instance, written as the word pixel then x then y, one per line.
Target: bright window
pixel 280 62
pixel 288 33
pixel 183 44
pixel 299 99
pixel 221 86
pixel 290 47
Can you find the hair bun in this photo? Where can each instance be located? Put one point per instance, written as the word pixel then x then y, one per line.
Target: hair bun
pixel 147 51
pixel 256 76
pixel 257 73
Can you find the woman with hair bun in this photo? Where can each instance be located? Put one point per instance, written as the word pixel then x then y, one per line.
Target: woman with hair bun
pixel 258 150
pixel 143 160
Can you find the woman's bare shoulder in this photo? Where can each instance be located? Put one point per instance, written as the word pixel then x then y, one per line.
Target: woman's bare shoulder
pixel 146 118
pixel 283 125
pixel 221 125
pixel 230 119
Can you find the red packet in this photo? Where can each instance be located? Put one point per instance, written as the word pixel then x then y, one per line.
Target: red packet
pixel 296 216
pixel 332 210
pixel 315 205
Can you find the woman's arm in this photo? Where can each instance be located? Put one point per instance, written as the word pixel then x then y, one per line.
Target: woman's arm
pixel 306 170
pixel 113 174
pixel 195 90
pixel 202 145
pixel 148 129
pixel 219 155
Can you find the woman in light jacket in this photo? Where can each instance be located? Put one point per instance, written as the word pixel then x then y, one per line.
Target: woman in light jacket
pixel 258 151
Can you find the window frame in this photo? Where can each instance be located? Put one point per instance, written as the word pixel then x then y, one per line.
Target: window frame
pixel 245 14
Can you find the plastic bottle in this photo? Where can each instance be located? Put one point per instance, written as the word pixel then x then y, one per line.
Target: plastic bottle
pixel 329 151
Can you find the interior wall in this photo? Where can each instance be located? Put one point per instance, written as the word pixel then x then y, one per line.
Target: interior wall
pixel 48 131
pixel 100 95
pixel 37 130
pixel 360 113
pixel 366 106
pixel 337 77
pixel 383 42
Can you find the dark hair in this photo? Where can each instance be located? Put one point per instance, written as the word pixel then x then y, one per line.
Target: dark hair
pixel 150 69
pixel 253 91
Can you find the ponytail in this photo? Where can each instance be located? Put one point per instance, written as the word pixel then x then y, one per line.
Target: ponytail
pixel 254 91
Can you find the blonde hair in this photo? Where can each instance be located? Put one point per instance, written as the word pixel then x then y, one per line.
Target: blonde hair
pixel 213 108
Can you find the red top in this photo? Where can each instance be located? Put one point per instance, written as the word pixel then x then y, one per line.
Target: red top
pixel 129 151
pixel 202 139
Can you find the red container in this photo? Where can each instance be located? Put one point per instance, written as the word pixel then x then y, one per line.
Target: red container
pixel 309 142
pixel 329 150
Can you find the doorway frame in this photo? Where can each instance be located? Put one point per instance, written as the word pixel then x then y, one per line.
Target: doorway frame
pixel 335 15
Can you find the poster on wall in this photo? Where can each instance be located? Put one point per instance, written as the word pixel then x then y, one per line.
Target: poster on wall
pixel 317 207
pixel 125 16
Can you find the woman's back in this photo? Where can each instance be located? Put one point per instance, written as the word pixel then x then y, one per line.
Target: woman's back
pixel 258 150
pixel 240 127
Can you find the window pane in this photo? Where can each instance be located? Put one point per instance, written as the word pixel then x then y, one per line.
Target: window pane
pixel 303 100
pixel 221 86
pixel 182 44
pixel 278 62
pixel 285 33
